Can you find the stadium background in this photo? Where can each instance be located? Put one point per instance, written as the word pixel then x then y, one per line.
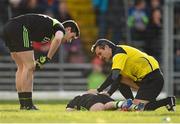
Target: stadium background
pixel 70 73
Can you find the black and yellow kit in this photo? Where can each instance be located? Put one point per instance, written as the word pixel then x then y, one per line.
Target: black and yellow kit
pixel 21 31
pixel 86 101
pixel 133 63
pixel 141 68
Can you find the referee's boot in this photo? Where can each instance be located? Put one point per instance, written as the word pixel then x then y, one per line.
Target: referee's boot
pixel 171 106
pixel 28 107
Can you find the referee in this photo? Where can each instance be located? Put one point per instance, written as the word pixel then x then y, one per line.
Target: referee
pixel 131 63
pixel 19 33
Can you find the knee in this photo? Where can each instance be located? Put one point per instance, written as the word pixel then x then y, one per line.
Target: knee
pixel 30 66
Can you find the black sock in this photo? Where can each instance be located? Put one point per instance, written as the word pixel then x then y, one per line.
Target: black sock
pixel 156 104
pixel 126 91
pixel 25 99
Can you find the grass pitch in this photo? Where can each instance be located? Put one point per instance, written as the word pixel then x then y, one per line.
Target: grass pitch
pixel 54 112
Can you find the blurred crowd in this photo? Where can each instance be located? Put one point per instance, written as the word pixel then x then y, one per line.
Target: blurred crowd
pixel 54 8
pixel 133 22
pixel 142 19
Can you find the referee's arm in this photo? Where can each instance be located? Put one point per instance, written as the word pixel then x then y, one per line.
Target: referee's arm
pixel 115 80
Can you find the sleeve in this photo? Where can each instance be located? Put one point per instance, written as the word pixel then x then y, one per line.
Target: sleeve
pixel 119 61
pixel 115 81
pixel 58 27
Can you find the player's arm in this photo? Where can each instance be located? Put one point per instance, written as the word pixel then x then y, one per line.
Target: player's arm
pixel 53 48
pixel 58 31
pixel 56 42
pixel 73 104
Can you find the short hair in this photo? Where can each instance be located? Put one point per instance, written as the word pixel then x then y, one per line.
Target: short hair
pixel 74 26
pixel 102 43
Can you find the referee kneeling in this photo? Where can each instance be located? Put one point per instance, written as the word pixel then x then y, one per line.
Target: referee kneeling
pixel 137 66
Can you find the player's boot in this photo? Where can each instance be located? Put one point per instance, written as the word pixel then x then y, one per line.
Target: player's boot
pixel 126 105
pixel 171 106
pixel 28 107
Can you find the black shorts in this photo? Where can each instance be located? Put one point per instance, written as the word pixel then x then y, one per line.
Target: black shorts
pixel 17 37
pixel 100 98
pixel 151 86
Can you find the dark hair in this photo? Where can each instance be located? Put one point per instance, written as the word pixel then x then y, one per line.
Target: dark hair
pixel 102 43
pixel 74 26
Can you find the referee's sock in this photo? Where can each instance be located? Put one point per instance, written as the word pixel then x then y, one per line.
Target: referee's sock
pixel 25 100
pixel 125 91
pixel 156 104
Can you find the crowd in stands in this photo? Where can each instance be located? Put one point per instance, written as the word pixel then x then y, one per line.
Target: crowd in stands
pixel 142 18
pixel 54 8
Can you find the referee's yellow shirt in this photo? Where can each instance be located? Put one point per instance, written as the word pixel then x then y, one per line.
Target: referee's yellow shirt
pixel 134 63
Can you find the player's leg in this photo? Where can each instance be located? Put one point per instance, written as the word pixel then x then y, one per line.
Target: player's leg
pixel 27 59
pixel 18 72
pixel 19 83
pixel 97 107
pixel 111 105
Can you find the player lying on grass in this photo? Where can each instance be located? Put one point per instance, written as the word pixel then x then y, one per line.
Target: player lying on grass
pixel 91 102
pixel 134 64
pixel 101 102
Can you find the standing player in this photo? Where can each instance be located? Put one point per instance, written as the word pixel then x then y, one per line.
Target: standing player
pixel 136 65
pixel 19 33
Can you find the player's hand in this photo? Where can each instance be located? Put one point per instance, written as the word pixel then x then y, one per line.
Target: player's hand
pixel 41 61
pixel 92 91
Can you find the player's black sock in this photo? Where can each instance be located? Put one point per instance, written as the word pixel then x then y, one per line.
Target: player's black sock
pixel 25 99
pixel 156 104
pixel 126 91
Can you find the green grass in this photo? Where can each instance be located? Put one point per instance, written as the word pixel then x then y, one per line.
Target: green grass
pixel 54 111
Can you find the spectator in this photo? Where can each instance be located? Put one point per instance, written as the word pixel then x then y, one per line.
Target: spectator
pixel 154 31
pixel 62 13
pixel 137 21
pixel 110 18
pixel 75 53
pixel 116 20
pixel 177 42
pixel 3 20
pixel 3 12
pixel 100 10
pixel 28 6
